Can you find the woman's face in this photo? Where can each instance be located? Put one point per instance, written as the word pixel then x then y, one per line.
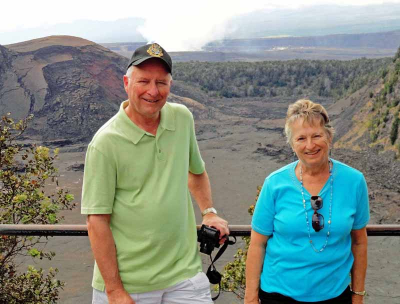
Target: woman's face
pixel 310 143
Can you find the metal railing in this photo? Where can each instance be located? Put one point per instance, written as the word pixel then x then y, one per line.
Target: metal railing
pixel 81 230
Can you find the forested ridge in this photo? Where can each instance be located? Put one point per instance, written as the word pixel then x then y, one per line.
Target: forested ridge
pixel 329 78
pixel 384 111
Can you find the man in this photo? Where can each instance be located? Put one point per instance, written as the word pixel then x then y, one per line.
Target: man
pixel 139 169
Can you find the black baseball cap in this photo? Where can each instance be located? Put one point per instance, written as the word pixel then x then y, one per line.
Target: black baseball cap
pixel 149 51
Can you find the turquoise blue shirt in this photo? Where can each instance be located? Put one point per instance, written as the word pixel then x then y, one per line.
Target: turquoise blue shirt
pixel 291 266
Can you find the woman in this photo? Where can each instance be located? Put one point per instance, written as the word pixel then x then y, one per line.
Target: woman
pixel 309 225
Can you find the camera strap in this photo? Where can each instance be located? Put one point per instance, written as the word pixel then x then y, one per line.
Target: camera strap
pixel 212 273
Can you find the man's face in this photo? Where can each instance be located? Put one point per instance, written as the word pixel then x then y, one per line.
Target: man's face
pixel 148 88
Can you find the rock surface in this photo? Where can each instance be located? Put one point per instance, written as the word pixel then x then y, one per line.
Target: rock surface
pixel 71 85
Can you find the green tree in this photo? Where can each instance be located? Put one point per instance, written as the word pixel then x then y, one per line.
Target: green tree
pixel 397 55
pixel 395 128
pixel 24 171
pixel 327 78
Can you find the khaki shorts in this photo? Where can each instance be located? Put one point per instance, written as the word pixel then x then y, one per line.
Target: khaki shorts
pixel 195 290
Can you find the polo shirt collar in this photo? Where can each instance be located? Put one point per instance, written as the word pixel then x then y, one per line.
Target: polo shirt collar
pixel 134 133
pixel 167 117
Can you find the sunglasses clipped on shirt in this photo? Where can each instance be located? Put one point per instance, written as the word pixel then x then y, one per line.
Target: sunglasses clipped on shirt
pixel 317 218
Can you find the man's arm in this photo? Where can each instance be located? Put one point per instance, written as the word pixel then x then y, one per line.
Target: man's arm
pixel 103 247
pixel 199 186
pixel 359 246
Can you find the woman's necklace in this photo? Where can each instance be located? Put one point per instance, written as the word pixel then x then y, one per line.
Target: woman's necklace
pixel 330 209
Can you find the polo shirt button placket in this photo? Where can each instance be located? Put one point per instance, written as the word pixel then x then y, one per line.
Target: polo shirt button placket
pixel 160 153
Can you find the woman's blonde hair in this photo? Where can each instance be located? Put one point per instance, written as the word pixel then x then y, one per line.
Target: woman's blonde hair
pixel 311 113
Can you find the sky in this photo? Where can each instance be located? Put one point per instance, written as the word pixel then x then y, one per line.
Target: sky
pixel 176 23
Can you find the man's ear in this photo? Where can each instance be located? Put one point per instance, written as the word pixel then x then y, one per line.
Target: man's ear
pixel 126 82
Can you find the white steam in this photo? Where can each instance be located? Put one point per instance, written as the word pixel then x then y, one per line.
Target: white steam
pixel 191 24
pixel 187 25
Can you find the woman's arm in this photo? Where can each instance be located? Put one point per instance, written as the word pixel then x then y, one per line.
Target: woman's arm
pixel 254 263
pixel 359 246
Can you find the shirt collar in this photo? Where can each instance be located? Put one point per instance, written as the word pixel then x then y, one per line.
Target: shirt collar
pixel 167 117
pixel 134 133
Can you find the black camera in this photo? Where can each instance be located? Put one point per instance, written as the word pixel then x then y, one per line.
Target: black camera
pixel 208 237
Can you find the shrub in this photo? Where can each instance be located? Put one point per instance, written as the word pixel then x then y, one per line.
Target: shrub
pixel 395 102
pixel 374 135
pixel 395 128
pixel 24 172
pixel 233 278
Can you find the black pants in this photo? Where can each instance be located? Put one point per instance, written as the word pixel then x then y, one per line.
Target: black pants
pixel 277 298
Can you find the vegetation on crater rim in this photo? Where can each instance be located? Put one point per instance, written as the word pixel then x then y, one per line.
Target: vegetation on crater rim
pixel 24 172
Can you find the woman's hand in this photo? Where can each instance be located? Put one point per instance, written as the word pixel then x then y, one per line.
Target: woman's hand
pixel 356 299
pixel 252 302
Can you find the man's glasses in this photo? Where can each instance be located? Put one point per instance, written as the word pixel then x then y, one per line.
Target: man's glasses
pixel 317 219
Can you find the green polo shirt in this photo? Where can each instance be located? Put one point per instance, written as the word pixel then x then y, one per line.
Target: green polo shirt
pixel 142 181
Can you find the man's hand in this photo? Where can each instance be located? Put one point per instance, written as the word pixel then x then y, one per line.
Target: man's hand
pixel 119 296
pixel 213 220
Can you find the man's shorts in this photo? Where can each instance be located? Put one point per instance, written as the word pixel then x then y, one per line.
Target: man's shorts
pixel 195 290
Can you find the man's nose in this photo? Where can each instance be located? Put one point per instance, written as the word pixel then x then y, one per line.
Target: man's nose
pixel 153 89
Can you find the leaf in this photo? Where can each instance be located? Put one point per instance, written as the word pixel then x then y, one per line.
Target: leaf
pixel 26 219
pixel 69 197
pixel 52 218
pixel 34 252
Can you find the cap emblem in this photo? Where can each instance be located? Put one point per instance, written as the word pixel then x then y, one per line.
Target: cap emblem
pixel 155 50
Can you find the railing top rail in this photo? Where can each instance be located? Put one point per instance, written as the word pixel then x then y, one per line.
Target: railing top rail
pixel 81 230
